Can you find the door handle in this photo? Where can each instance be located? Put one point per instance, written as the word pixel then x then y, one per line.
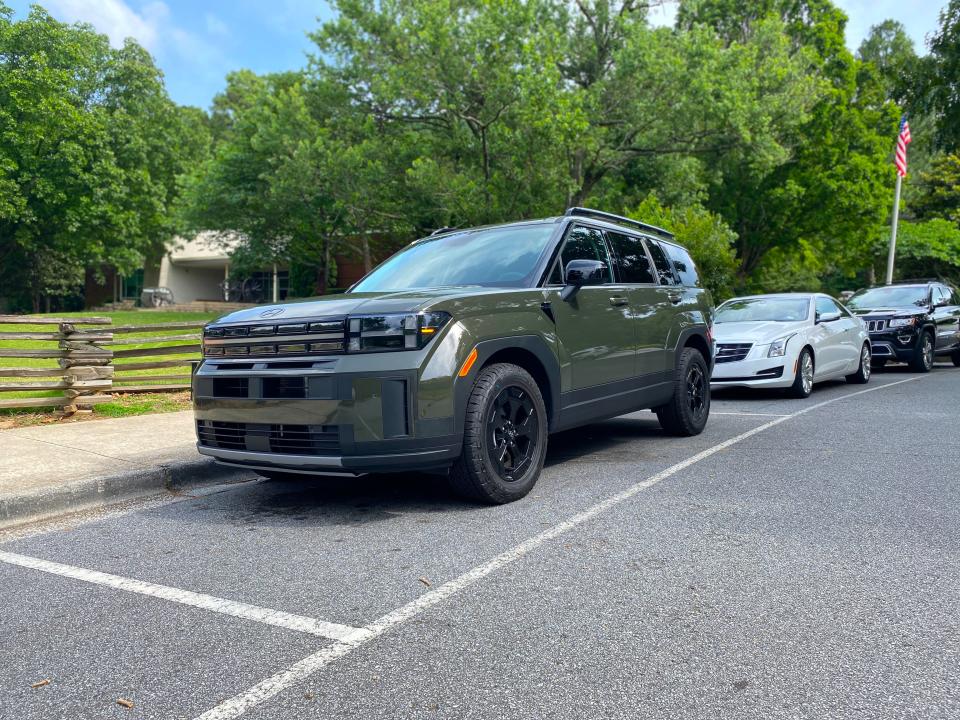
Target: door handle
pixel 618 300
pixel 675 297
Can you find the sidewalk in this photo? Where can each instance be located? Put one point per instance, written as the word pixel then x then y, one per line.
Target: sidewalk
pixel 51 469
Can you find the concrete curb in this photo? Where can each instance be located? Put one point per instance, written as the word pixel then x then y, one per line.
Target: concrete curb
pixel 98 492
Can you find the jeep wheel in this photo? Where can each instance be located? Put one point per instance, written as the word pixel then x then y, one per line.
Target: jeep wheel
pixel 923 356
pixel 687 412
pixel 862 375
pixel 803 380
pixel 504 437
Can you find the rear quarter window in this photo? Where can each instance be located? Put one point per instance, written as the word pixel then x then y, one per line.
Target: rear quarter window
pixel 683 264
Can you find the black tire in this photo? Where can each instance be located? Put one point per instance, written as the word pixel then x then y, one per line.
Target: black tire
pixel 862 375
pixel 922 361
pixel 956 358
pixel 688 410
pixel 505 433
pixel 803 378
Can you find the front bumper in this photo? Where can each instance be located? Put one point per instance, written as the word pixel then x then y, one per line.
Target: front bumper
pixel 765 372
pixel 317 415
pixel 896 346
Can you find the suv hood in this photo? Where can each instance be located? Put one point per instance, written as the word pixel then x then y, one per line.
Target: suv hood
pixel 355 303
pixel 759 332
pixel 889 311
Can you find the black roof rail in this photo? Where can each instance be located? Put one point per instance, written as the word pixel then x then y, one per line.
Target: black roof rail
pixel 619 219
pixel 441 230
pixel 916 281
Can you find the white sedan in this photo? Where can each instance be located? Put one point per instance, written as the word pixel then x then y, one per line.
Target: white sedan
pixel 788 340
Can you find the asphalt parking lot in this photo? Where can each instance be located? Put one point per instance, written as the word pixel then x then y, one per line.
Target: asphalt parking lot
pixel 799 559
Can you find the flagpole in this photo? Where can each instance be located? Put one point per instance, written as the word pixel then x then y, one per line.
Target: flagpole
pixel 893 232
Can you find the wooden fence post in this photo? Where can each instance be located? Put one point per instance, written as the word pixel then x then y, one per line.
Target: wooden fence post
pixel 87 368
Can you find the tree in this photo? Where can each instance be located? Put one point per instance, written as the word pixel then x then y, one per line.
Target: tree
pixel 89 155
pixel 939 191
pixel 889 50
pixel 940 74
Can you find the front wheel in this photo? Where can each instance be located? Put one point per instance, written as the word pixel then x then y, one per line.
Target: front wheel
pixel 923 356
pixel 687 412
pixel 803 379
pixel 862 375
pixel 504 437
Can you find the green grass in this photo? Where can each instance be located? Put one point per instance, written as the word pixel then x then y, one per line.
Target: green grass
pixel 145 403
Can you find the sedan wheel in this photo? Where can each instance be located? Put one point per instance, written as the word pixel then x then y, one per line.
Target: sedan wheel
pixel 803 380
pixel 862 375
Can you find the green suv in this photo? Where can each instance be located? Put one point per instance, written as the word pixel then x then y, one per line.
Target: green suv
pixel 461 353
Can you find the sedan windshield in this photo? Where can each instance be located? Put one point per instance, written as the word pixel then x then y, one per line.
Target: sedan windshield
pixel 763 310
pixel 893 296
pixel 497 257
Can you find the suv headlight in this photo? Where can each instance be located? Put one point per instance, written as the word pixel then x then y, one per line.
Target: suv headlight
pixel 778 348
pixel 386 332
pixel 901 322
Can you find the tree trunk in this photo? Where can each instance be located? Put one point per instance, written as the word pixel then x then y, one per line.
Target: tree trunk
pixel 367 262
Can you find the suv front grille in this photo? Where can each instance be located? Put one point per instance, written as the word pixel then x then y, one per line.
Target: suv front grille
pixel 255 437
pixel 318 337
pixel 874 325
pixel 732 352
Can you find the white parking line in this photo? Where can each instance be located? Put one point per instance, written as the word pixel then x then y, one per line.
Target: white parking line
pixel 239 704
pixel 267 616
pixel 714 412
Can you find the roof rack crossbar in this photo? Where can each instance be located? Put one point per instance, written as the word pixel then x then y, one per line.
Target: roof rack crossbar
pixel 620 219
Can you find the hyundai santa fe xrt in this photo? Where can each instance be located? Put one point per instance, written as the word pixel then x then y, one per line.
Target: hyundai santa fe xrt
pixel 461 353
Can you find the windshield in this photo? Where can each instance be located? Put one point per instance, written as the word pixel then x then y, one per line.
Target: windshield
pixel 498 257
pixel 763 310
pixel 892 296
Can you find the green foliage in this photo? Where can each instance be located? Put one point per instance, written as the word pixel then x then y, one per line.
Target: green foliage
pixel 939 77
pixel 890 53
pixel 925 249
pixel 939 187
pixel 90 151
pixel 706 236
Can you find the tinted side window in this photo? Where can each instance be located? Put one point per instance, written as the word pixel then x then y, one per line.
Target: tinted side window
pixel 661 263
pixel 683 264
pixel 584 243
pixel 631 258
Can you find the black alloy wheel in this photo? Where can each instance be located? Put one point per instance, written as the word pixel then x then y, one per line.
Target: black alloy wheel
pixel 688 410
pixel 504 436
pixel 513 428
pixel 696 385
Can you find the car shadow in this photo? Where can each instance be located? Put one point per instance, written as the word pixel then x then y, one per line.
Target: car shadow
pixel 333 500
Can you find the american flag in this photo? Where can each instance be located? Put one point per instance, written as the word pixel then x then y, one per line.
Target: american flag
pixel 903 139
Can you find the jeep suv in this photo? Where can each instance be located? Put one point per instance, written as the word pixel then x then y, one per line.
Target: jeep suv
pixel 461 353
pixel 911 322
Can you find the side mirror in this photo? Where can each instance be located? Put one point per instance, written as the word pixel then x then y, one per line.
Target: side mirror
pixel 827 317
pixel 583 272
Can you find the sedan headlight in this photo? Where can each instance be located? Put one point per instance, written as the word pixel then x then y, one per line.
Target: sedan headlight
pixel 901 322
pixel 383 333
pixel 778 348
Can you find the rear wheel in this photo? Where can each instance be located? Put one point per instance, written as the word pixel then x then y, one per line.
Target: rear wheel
pixel 504 437
pixel 923 356
pixel 687 412
pixel 803 380
pixel 862 375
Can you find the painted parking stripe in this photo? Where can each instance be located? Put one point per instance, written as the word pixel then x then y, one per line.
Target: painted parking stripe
pixel 333 631
pixel 265 689
pixel 746 414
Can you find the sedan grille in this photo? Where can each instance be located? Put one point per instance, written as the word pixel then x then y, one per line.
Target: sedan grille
pixel 317 337
pixel 732 352
pixel 256 437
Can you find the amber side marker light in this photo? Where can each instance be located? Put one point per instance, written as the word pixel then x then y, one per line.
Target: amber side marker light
pixel 468 363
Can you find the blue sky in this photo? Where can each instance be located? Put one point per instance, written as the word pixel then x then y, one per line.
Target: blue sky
pixel 197 43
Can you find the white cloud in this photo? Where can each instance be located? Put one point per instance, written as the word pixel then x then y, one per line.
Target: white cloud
pixel 116 19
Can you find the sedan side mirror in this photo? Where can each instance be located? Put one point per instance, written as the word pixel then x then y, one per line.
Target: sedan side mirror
pixel 827 317
pixel 583 272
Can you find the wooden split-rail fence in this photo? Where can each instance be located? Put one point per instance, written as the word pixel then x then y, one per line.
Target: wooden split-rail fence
pixel 93 360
